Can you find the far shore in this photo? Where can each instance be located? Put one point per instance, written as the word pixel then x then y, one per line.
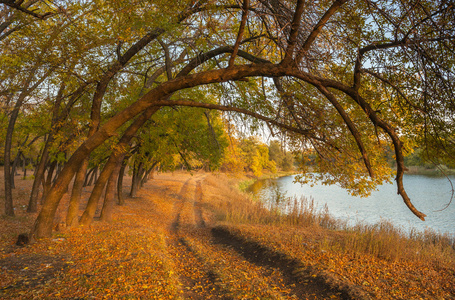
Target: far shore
pixel 418 170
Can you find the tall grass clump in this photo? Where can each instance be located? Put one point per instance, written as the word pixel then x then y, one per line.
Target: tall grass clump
pixel 234 206
pixel 386 241
pixel 382 240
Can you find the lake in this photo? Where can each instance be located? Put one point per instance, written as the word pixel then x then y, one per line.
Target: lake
pixel 428 194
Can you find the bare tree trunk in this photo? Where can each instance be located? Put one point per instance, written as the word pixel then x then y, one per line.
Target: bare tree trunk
pixel 14 170
pixel 39 175
pixel 112 162
pixel 133 181
pixel 90 176
pixel 76 193
pixel 90 209
pixel 9 177
pixel 106 212
pixel 148 174
pixel 121 199
pixel 24 167
pixel 137 175
pixel 56 125
pixel 48 180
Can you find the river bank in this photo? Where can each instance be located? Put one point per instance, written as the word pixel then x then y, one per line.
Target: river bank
pixel 198 237
pixel 441 171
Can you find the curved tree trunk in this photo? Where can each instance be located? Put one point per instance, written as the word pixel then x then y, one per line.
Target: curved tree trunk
pixel 55 125
pixel 48 181
pixel 9 210
pixel 39 175
pixel 89 212
pixel 76 193
pixel 106 212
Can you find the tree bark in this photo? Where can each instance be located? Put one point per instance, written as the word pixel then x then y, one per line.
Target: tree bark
pixel 90 209
pixel 24 168
pixel 137 176
pixel 9 177
pixel 39 175
pixel 14 170
pixel 121 199
pixel 102 85
pixel 48 181
pixel 76 193
pixel 108 205
pixel 88 179
pixel 147 174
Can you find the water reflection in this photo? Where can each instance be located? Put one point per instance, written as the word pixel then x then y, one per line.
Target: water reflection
pixel 270 191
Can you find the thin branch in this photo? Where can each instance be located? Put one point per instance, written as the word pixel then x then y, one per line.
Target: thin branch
pixel 352 128
pixel 295 26
pixel 17 5
pixel 167 59
pixel 398 90
pixel 282 92
pixel 246 4
pixel 317 29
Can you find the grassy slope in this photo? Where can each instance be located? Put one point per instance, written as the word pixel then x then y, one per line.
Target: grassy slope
pixel 162 245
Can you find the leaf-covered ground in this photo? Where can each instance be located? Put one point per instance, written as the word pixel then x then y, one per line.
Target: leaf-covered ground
pixel 176 241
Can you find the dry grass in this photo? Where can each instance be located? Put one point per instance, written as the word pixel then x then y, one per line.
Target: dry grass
pixel 382 240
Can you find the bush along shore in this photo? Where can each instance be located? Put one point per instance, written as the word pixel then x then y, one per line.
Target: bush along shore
pixel 199 237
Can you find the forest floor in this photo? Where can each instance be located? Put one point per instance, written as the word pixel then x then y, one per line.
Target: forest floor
pixel 197 237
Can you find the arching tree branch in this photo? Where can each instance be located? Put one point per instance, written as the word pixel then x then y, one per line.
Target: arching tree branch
pixel 18 5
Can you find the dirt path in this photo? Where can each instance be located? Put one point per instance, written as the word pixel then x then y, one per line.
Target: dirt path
pixel 197 282
pixel 213 263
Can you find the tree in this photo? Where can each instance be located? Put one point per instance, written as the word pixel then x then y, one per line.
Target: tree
pixel 37 63
pixel 255 156
pixel 283 159
pixel 342 78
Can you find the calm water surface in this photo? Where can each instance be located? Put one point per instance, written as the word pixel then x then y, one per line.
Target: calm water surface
pixel 428 194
